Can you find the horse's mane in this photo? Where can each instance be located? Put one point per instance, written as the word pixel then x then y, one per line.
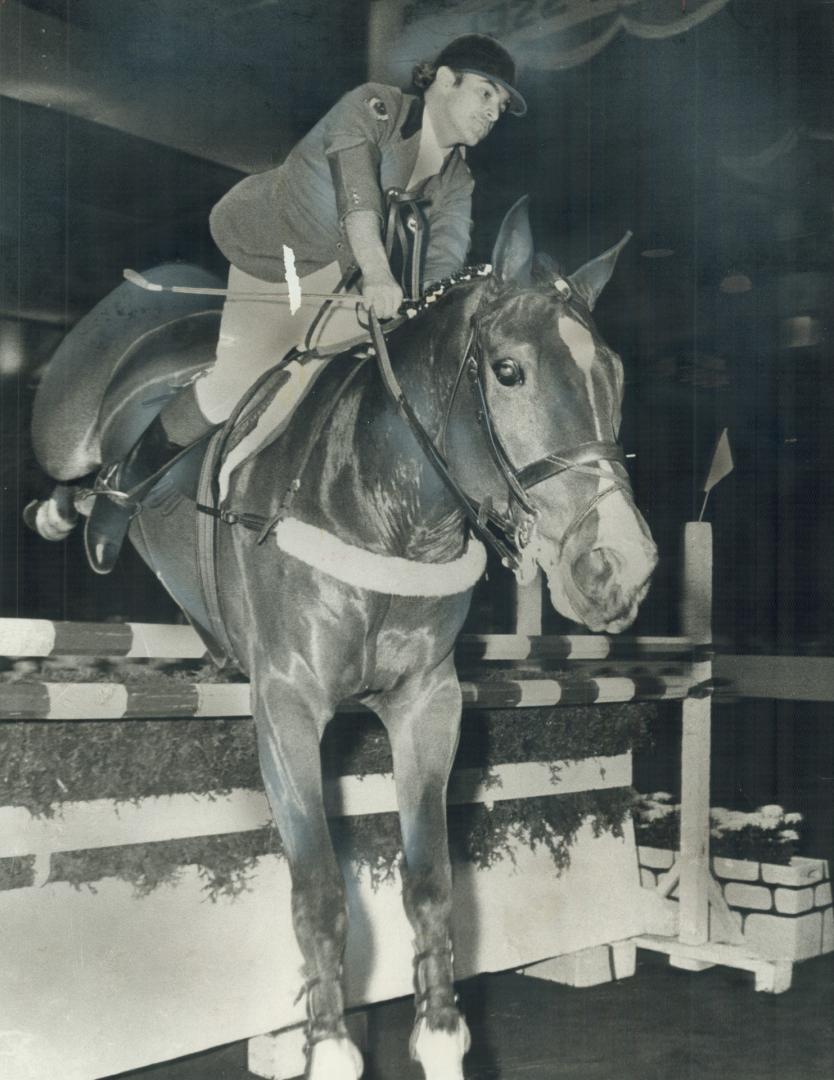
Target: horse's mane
pixel 438 289
pixel 544 270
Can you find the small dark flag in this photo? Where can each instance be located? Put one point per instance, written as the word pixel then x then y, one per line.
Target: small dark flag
pixel 722 464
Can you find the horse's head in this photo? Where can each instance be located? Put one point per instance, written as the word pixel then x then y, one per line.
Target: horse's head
pixel 543 453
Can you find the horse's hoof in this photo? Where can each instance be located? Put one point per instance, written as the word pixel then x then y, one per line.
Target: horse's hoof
pixel 440 1053
pixel 43 517
pixel 334 1059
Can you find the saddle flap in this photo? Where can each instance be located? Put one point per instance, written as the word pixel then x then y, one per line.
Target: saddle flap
pixel 166 359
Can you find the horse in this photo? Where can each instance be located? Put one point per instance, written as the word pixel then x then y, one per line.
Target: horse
pixel 359 583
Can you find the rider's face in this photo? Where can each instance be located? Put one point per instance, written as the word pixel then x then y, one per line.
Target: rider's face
pixel 469 108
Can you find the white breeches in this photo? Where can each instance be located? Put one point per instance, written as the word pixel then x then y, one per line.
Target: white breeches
pixel 256 333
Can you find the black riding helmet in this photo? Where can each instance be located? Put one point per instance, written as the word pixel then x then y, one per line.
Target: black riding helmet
pixel 481 55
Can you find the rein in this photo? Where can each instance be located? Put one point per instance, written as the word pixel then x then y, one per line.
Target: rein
pixel 471 509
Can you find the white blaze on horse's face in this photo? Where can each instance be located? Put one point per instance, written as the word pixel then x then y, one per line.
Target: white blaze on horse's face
pixel 591 541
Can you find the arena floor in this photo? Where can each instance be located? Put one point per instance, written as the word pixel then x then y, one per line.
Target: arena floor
pixel 662 1024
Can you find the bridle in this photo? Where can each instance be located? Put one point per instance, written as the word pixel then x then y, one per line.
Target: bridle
pixel 510 534
pixel 518 524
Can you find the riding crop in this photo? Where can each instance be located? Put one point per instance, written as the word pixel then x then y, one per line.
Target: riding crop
pixel 351 300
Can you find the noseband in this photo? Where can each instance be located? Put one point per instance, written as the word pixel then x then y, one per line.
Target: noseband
pixel 518 528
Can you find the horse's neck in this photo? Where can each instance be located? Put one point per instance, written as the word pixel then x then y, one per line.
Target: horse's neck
pixel 388 496
pixel 428 364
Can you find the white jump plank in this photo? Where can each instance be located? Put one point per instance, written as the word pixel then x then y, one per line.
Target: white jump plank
pixel 106 823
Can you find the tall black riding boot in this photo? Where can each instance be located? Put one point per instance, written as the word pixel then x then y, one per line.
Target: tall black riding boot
pixel 121 491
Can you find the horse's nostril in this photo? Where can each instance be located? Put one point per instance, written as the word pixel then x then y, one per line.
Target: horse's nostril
pixel 593 570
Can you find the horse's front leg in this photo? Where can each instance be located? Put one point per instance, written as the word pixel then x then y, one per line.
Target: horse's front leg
pixel 289 729
pixel 423 721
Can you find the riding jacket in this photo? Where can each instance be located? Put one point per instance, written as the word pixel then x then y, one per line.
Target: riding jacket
pixel 365 145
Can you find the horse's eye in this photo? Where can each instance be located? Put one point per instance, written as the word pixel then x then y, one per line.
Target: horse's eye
pixel 508 373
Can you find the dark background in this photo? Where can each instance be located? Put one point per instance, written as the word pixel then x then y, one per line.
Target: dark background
pixel 122 124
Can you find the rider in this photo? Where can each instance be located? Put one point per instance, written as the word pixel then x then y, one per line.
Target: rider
pixel 322 212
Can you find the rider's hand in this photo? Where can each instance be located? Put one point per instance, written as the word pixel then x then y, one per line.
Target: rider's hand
pixel 382 292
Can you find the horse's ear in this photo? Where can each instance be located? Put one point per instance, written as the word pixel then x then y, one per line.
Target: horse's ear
pixel 512 256
pixel 589 280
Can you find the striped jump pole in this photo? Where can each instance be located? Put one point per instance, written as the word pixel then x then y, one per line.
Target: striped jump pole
pixel 119 701
pixel 134 641
pixel 21 638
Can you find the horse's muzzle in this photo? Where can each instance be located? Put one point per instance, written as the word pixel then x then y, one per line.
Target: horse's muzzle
pixel 609 584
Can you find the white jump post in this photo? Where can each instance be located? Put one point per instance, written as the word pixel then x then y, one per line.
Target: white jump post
pixel 528 606
pixel 707 933
pixel 696 624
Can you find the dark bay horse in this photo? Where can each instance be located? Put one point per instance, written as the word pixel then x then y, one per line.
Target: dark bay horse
pixel 363 588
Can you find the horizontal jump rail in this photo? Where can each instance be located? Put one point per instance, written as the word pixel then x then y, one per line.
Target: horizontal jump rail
pixel 777 678
pixel 117 701
pixel 142 641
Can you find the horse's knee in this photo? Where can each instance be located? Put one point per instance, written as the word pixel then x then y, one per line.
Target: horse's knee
pixel 427 894
pixel 319 900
